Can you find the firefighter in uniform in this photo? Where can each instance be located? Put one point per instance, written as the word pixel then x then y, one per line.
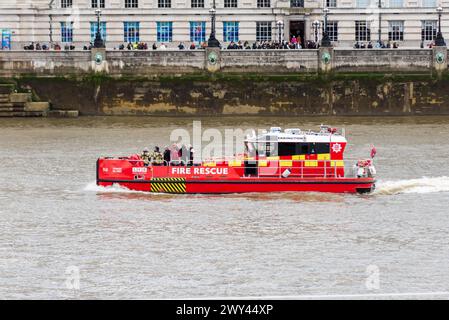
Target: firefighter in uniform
pixel 146 157
pixel 157 159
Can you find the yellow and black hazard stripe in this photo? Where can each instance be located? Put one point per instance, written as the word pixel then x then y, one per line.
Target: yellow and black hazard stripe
pixel 168 185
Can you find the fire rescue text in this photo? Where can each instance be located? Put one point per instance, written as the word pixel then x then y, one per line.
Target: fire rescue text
pixel 199 171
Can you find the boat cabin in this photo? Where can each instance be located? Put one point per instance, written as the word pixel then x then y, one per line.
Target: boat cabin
pixel 303 153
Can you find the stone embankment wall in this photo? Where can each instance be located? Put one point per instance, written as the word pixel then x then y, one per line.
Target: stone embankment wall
pixel 273 96
pixel 235 82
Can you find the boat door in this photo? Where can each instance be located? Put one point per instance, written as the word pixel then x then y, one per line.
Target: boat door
pixel 251 168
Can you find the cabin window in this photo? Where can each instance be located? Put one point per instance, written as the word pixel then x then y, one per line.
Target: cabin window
pixel 287 149
pixel 290 148
pixel 322 148
pixel 304 148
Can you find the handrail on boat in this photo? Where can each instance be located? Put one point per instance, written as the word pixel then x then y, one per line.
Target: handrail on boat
pixel 330 169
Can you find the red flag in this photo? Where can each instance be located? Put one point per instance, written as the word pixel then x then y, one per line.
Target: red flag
pixel 373 151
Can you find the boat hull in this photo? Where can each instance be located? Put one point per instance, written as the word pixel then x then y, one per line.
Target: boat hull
pixel 245 185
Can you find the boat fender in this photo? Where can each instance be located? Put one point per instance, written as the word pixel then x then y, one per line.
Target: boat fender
pixel 286 173
pixel 360 172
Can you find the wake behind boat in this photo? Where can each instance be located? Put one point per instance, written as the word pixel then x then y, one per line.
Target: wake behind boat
pixel 274 161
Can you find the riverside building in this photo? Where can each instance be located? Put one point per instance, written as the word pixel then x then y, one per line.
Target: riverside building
pixel 410 23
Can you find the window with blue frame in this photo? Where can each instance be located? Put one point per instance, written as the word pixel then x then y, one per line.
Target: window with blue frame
pixel 93 30
pixel 396 3
pixel 363 3
pixel 197 31
pixel 131 32
pixel 164 31
pixel 66 32
pixel 230 31
pixel 429 3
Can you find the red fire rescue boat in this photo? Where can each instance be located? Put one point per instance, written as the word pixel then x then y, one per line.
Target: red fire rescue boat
pixel 275 161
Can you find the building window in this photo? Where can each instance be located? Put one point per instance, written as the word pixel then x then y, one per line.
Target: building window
pixel 164 31
pixel 131 32
pixel 331 3
pixel 66 3
pixel 396 30
pixel 396 3
pixel 98 3
pixel 297 3
pixel 5 37
pixel 362 31
pixel 197 31
pixel 230 31
pixel 263 31
pixel 93 30
pixel 429 30
pixel 230 3
pixel 429 3
pixel 363 3
pixel 263 3
pixel 131 3
pixel 332 30
pixel 164 3
pixel 66 31
pixel 197 3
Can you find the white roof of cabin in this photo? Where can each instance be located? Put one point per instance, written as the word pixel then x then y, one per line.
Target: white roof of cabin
pixel 297 135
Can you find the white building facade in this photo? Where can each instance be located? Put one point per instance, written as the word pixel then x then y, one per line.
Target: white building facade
pixel 410 23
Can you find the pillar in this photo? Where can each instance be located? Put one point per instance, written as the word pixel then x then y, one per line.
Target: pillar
pixel 325 59
pixel 213 59
pixel 98 60
pixel 439 59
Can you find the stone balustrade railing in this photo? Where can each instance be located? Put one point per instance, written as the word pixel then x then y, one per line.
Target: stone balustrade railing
pixel 169 62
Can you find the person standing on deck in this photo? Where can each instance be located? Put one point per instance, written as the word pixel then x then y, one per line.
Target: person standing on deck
pixel 145 156
pixel 174 155
pixel 167 156
pixel 184 155
pixel 156 157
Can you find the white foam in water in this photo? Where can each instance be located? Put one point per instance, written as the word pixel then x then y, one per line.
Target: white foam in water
pixel 110 189
pixel 421 185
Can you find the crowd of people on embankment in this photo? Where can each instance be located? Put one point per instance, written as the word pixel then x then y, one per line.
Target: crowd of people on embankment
pixel 376 45
pixel 294 43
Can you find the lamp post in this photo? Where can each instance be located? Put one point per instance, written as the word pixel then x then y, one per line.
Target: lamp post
pixel 379 31
pixel 316 25
pixel 439 40
pixel 98 42
pixel 280 25
pixel 213 42
pixel 325 41
pixel 50 17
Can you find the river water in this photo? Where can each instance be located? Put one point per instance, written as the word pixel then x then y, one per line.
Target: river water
pixel 58 230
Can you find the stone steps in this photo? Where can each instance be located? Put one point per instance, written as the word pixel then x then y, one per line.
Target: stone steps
pixel 6 88
pixel 21 105
pixel 8 109
pixel 4 98
pixel 20 114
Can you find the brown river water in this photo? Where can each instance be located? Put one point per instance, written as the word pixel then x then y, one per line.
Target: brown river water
pixel 63 237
